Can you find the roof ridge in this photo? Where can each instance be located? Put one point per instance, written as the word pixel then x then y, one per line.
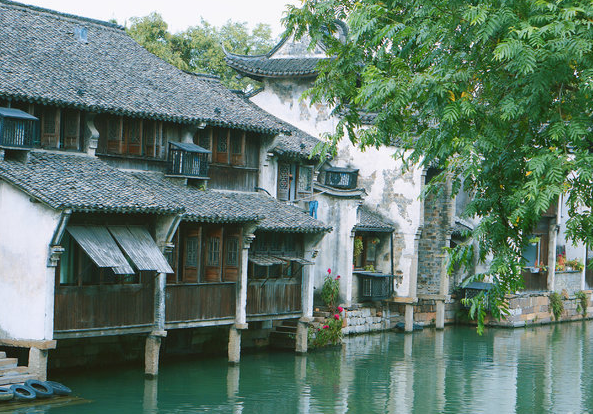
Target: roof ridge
pixel 59 14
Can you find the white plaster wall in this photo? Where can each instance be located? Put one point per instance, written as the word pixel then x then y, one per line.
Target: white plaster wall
pixel 573 251
pixel 26 283
pixel 335 249
pixel 391 193
pixel 268 171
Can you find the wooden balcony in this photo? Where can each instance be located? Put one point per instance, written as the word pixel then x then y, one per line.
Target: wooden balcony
pixel 273 297
pixel 101 307
pixel 200 302
pixel 18 129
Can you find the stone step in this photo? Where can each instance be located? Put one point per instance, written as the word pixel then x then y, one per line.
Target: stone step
pixel 283 328
pixel 2 354
pixel 8 362
pixel 6 371
pixel 16 379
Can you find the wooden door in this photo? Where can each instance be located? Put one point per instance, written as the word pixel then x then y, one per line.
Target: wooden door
pixel 114 134
pixel 191 255
pixel 213 252
pixel 70 129
pixel 133 136
pixel 232 255
pixel 237 139
pixel 50 127
pixel 283 181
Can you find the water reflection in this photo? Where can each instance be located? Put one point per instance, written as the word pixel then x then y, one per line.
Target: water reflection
pixel 544 369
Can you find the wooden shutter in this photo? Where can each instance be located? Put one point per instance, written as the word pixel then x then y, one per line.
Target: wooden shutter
pixel 213 252
pixel 283 181
pixel 173 258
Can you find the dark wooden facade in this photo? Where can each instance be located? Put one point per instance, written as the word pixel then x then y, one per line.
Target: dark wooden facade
pixel 103 306
pixel 274 296
pixel 200 302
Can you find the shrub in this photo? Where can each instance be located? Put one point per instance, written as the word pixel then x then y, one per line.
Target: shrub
pixel 330 333
pixel 556 305
pixel 583 302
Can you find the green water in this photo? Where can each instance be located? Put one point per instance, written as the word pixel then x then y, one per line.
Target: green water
pixel 534 370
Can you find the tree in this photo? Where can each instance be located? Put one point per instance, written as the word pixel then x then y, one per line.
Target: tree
pixel 496 93
pixel 199 48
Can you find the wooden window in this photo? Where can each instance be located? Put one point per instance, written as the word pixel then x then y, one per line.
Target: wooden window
pixel 213 251
pixel 222 146
pixel 114 134
pixel 191 254
pixel 237 147
pixel 173 259
pixel 232 256
pixel 283 181
pixel 149 138
pixel 50 127
pixel 71 129
pixel 305 181
pixel 232 251
pixel 213 242
pixel 132 136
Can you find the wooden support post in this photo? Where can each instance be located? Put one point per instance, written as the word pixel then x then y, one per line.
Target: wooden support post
pixel 153 341
pixel 234 345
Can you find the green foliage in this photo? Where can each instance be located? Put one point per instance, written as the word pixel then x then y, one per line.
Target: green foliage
pixel 583 302
pixel 358 246
pixel 496 94
pixel 330 333
pixel 556 304
pixel 199 48
pixel 330 291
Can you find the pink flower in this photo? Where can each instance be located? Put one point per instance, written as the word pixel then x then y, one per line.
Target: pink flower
pixel 336 316
pixel 338 277
pixel 340 309
pixel 329 271
pixel 325 327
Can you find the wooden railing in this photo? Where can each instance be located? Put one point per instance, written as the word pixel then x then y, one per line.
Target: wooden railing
pixel 273 297
pixel 196 302
pixel 106 306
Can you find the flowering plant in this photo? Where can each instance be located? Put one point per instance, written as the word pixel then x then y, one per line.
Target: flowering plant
pixel 329 334
pixel 330 291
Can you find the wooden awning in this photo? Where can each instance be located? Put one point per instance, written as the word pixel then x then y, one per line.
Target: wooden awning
pixel 265 260
pixel 137 243
pixel 101 248
pixel 296 259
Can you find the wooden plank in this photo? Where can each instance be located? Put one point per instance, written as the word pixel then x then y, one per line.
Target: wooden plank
pixel 101 248
pixel 273 296
pixel 197 302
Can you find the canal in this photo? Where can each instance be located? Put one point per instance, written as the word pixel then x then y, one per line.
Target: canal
pixel 544 369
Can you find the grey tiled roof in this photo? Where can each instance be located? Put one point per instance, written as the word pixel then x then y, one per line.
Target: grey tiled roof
pixel 84 184
pixel 371 221
pixel 220 205
pixel 41 61
pixel 261 66
pixel 299 144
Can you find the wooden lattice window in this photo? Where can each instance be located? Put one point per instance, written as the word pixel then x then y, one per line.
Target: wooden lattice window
pixel 191 251
pixel 71 129
pixel 213 251
pixel 305 183
pixel 283 181
pixel 149 137
pixel 232 251
pixel 50 127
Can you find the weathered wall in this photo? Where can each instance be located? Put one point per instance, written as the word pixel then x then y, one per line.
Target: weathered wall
pixel 569 281
pixel 26 283
pixel 389 192
pixel 431 254
pixel 335 249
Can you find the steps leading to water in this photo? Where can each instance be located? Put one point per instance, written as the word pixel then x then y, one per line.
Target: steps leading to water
pixel 284 335
pixel 11 373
